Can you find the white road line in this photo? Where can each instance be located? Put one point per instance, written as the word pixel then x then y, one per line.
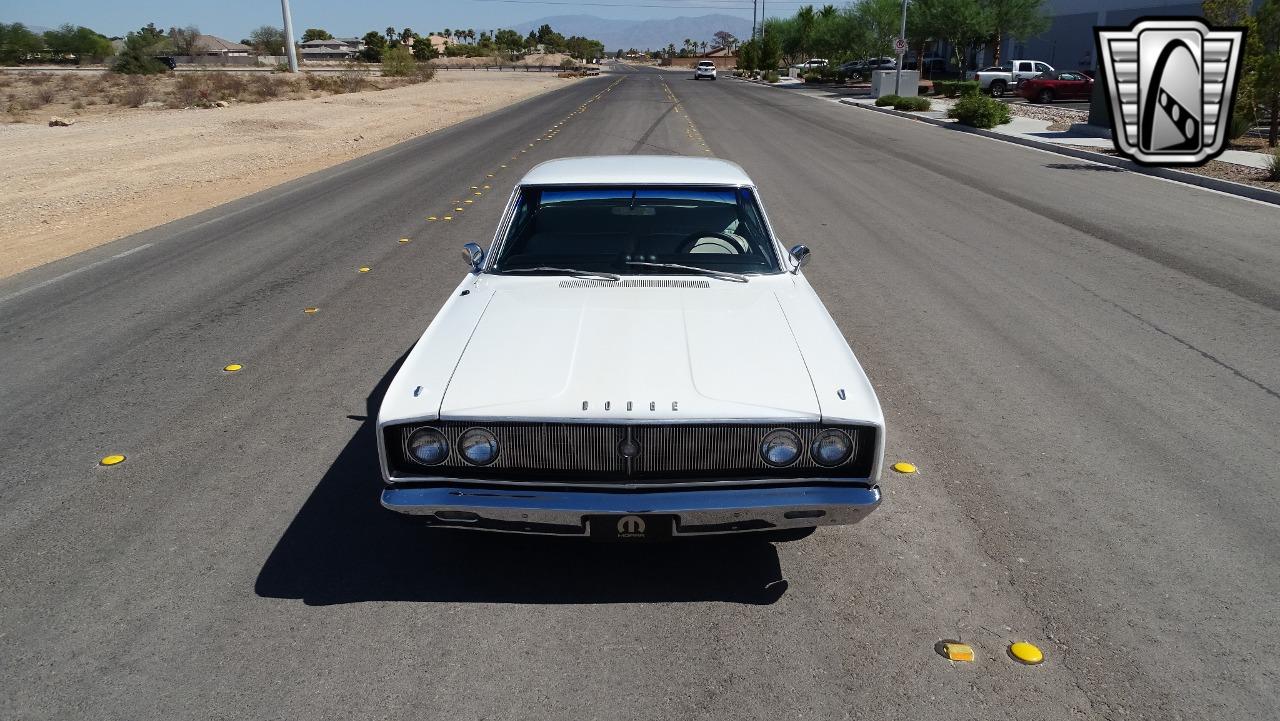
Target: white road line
pixel 77 271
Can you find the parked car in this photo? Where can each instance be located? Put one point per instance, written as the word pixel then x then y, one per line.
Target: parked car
pixel 705 69
pixel 636 357
pixel 167 60
pixel 811 64
pixel 1000 80
pixel 932 63
pixel 1048 87
pixel 866 66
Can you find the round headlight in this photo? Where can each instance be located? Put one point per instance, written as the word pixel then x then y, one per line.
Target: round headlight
pixel 428 446
pixel 831 448
pixel 478 446
pixel 780 448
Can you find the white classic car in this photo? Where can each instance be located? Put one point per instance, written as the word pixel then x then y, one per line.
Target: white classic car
pixel 636 357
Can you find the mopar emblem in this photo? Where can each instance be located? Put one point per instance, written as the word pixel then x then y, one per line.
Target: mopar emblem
pixel 1171 85
pixel 630 526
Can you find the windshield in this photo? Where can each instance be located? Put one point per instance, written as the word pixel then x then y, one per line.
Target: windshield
pixel 611 229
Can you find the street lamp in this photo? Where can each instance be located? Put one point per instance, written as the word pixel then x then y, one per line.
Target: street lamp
pixel 902 33
pixel 288 37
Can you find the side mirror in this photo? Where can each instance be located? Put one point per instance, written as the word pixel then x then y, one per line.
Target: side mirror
pixel 474 255
pixel 799 256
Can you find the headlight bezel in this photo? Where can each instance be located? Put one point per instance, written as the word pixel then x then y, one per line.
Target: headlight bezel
pixel 825 433
pixel 409 445
pixel 478 431
pixel 781 433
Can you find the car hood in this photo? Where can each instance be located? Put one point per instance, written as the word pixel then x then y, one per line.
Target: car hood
pixel 550 348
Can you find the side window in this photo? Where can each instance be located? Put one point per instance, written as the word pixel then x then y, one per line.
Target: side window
pixel 1042 68
pixel 1024 67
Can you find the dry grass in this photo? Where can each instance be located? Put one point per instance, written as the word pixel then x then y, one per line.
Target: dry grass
pixel 100 93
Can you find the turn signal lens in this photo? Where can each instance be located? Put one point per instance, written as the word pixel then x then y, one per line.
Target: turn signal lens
pixel 780 448
pixel 428 446
pixel 478 446
pixel 831 448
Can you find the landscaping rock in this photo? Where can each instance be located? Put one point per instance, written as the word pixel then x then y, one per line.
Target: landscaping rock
pixel 57 122
pixel 152 104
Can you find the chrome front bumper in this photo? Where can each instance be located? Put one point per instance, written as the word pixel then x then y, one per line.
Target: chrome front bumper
pixel 696 512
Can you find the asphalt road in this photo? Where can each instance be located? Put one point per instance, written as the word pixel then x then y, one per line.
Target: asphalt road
pixel 1081 361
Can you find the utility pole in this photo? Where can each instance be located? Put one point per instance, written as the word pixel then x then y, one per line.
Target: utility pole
pixel 288 37
pixel 897 77
pixel 754 8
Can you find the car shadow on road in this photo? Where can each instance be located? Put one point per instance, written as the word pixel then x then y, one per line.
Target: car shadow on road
pixel 343 547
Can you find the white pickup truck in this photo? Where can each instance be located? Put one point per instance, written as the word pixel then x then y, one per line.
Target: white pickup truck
pixel 999 80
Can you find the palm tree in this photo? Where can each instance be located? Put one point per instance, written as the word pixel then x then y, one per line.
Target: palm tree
pixel 703 46
pixel 471 35
pixel 391 33
pixel 447 33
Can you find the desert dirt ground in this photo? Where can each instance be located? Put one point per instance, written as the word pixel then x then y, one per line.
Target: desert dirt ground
pixel 68 189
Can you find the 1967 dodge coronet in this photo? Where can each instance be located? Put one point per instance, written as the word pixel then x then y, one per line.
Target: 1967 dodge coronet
pixel 636 357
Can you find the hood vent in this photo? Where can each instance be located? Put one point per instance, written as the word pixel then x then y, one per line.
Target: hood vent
pixel 635 283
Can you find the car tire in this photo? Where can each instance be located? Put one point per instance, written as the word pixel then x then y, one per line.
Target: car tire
pixel 997 88
pixel 1045 96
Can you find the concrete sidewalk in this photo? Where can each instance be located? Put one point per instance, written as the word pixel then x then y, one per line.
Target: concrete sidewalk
pixel 1078 135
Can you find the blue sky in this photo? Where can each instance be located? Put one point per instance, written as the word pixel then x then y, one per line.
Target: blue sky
pixel 233 19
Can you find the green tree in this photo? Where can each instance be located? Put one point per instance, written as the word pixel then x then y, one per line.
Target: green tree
pixel 136 58
pixel 584 48
pixel 17 43
pixel 398 62
pixel 1018 18
pixel 374 44
pixel 960 23
pixel 509 40
pixel 315 34
pixel 882 22
pixel 78 41
pixel 267 40
pixel 1268 81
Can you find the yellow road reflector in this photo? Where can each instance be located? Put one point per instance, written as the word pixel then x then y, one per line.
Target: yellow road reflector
pixel 112 459
pixel 364 269
pixel 1027 653
pixel 489 175
pixel 232 367
pixel 958 651
pixel 468 201
pixel 429 217
pixel 904 467
pixel 500 166
pixel 475 187
pixel 406 240
pixel 448 217
pixel 477 193
pixel 458 209
pixel 310 311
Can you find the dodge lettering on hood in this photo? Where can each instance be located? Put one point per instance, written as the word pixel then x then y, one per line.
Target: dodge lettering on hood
pixel 636 357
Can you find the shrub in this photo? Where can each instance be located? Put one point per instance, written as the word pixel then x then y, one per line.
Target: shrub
pixel 38 79
pixel 397 62
pixel 912 104
pixel 78 105
pixel 351 80
pixel 979 111
pixel 266 86
pixel 1241 122
pixel 812 77
pixel 967 87
pixel 946 88
pixel 771 76
pixel 568 64
pixel 1273 165
pixel 227 85
pixel 135 95
pixel 425 72
pixel 884 100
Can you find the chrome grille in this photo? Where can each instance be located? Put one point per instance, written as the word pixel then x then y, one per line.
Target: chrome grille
pixel 591 452
pixel 635 283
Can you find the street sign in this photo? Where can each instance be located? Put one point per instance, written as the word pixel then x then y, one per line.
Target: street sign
pixel 899 45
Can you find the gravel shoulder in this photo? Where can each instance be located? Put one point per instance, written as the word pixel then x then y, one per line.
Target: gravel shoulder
pixel 68 189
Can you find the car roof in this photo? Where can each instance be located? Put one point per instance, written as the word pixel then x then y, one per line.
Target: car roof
pixel 637 170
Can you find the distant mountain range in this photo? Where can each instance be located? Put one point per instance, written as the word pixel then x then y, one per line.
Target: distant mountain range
pixel 642 34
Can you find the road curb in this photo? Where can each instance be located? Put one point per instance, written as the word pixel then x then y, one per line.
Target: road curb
pixel 1222 186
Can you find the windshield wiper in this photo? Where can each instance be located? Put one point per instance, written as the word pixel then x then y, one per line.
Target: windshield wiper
pixel 567 271
pixel 721 274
